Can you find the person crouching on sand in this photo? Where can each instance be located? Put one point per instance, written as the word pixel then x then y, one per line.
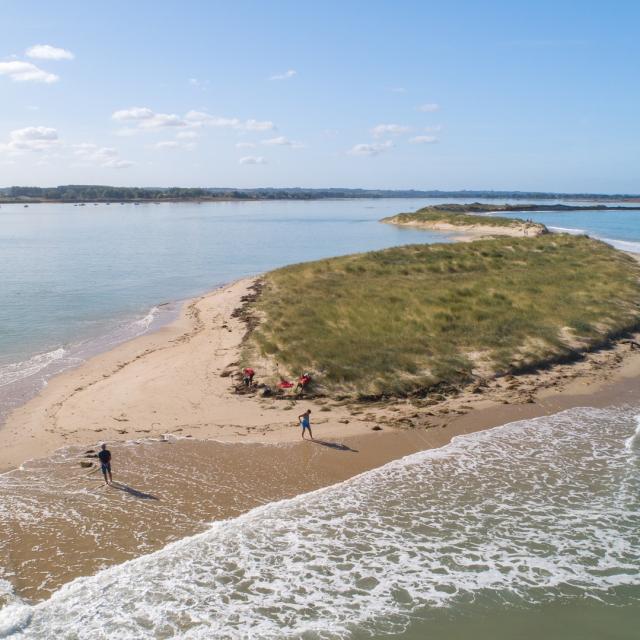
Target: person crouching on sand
pixel 305 422
pixel 105 463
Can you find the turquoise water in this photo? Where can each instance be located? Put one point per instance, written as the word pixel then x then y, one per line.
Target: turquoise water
pixel 528 531
pixel 619 228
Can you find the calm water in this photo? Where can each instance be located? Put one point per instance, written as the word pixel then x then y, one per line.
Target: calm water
pixel 77 280
pixel 528 531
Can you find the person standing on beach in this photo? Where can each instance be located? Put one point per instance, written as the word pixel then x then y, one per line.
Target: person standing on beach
pixel 305 422
pixel 105 463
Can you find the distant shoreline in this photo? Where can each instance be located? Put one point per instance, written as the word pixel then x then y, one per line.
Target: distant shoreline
pixel 96 194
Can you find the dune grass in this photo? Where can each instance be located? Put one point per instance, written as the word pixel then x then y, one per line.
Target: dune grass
pixel 463 215
pixel 406 319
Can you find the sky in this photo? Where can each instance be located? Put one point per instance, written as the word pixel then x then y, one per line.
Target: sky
pixel 516 95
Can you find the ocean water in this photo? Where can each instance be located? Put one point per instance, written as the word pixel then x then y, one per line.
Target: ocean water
pixel 78 280
pixel 619 228
pixel 524 531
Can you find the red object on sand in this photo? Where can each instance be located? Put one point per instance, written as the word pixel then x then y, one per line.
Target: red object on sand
pixel 285 384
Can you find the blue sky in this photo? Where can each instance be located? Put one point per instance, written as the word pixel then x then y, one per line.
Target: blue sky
pixel 430 95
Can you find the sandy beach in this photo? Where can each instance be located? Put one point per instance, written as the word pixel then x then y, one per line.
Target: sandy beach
pixel 189 450
pixel 176 381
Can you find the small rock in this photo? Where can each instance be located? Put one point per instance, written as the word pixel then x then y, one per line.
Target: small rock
pixel 85 464
pixel 266 392
pixel 376 428
pixel 344 421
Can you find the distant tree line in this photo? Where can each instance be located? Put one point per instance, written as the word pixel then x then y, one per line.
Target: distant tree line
pixel 101 193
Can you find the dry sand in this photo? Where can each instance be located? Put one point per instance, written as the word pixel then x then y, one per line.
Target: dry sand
pixel 175 381
pixel 466 233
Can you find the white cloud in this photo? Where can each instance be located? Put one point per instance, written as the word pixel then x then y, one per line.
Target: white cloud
pixel 145 118
pixel 47 52
pixel 118 164
pixel 423 139
pixel 284 76
pixel 31 139
pixel 20 71
pixel 259 125
pixel 134 113
pixel 245 145
pixel 252 160
pixel 370 149
pixel 429 107
pixel 186 135
pixel 102 156
pixel 168 145
pixel 162 120
pixel 283 142
pixel 434 128
pixel 385 129
pixel 202 119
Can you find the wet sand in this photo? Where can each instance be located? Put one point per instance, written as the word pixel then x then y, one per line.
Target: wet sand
pixel 188 450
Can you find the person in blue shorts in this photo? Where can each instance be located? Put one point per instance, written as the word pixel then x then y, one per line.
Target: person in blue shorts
pixel 105 463
pixel 305 422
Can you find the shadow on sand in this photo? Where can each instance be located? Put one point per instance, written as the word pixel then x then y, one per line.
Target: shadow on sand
pixel 133 492
pixel 335 445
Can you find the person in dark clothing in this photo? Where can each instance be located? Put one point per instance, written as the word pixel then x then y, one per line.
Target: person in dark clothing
pixel 105 463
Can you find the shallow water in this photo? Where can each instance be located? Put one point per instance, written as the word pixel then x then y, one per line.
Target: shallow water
pixel 78 280
pixel 527 530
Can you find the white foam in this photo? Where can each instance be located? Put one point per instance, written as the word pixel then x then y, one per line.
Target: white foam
pixel 519 514
pixel 13 372
pixel 633 442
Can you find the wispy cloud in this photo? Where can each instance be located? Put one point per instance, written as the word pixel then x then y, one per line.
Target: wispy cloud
pixel 203 119
pixel 245 145
pixel 386 129
pixel 423 139
pixel 252 160
pixel 281 141
pixel 429 107
pixel 31 139
pixel 106 157
pixel 145 118
pixel 47 52
pixel 370 149
pixel 171 145
pixel 20 71
pixel 284 76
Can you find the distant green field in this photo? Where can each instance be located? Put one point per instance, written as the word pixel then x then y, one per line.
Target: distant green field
pixel 403 320
pixel 462 215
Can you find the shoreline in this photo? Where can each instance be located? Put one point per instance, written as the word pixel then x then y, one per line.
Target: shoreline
pixel 189 451
pixel 196 396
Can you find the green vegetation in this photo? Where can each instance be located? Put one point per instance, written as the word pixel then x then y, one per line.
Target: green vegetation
pixel 463 216
pixel 101 193
pixel 406 319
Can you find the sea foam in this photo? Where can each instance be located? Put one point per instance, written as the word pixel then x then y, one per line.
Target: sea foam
pixel 536 511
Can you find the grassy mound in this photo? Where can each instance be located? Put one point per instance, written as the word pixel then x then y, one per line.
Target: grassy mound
pixel 402 320
pixel 463 216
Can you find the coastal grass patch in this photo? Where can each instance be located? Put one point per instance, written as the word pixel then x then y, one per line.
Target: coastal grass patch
pixel 404 320
pixel 463 216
